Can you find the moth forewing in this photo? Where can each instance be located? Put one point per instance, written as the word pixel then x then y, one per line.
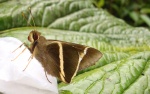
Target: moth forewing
pixel 70 63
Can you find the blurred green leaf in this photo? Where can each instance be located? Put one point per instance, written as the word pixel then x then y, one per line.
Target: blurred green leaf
pixel 145 10
pixel 135 16
pixel 146 19
pixel 128 9
pixel 98 3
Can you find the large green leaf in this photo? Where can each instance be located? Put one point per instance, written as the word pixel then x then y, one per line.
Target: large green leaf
pixel 124 67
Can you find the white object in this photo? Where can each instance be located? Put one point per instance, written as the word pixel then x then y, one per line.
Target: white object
pixel 13 80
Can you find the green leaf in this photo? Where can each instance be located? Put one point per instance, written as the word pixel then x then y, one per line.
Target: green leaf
pixel 146 19
pixel 124 67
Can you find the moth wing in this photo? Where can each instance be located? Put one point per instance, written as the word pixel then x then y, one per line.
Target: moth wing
pixel 88 55
pixel 70 58
pixel 64 57
pixel 90 58
pixel 52 59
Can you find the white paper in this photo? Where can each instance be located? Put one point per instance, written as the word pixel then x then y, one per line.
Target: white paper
pixel 13 80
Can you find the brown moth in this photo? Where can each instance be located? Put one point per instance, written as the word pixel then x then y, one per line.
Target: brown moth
pixel 61 59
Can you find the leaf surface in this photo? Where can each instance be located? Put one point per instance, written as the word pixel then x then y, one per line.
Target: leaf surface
pixel 125 65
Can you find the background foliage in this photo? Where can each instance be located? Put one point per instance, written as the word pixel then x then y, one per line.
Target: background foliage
pixel 134 12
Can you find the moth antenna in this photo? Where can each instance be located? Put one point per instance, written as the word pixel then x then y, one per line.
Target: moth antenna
pixel 26 19
pixel 31 57
pixel 47 77
pixel 31 16
pixel 19 54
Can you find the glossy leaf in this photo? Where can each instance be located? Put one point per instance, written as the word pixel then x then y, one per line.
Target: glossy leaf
pixel 124 67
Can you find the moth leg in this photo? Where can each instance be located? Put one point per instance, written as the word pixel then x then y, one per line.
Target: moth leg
pixel 19 54
pixel 47 77
pixel 18 47
pixel 31 57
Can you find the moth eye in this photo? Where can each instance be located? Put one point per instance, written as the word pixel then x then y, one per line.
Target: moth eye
pixel 33 36
pixel 30 38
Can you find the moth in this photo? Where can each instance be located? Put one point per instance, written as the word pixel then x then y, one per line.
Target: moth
pixel 61 59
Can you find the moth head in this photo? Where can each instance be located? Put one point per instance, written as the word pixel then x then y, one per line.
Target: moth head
pixel 34 36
